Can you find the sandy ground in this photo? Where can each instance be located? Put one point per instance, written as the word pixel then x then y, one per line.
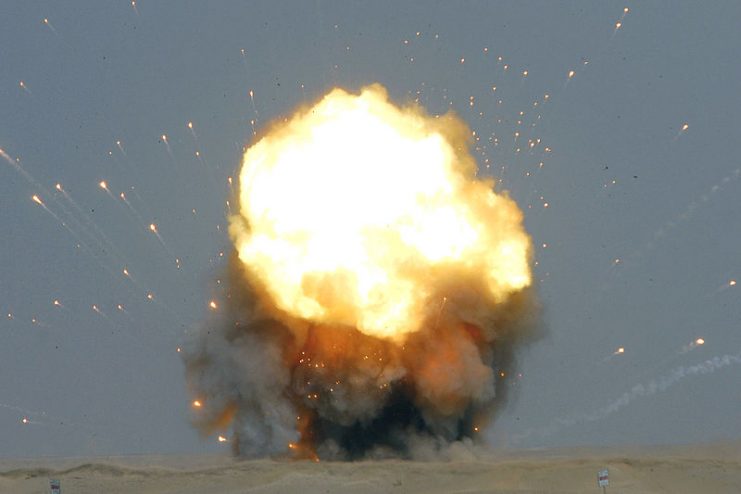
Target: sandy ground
pixel 687 469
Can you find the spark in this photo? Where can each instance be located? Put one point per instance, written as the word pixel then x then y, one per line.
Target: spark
pixel 15 163
pixel 192 130
pixel 35 198
pixel 120 147
pixel 622 17
pixel 222 439
pixel 23 86
pixel 619 351
pixel 213 305
pixel 150 296
pixel 57 303
pixel 732 283
pixel 133 6
pixel 619 23
pixel 197 404
pixel 104 185
pixel 682 130
pixel 698 342
pixel 25 421
pixel 138 217
pixel 48 24
pixel 153 228
pixel 572 73
pixel 97 310
pixel 254 108
pixel 164 140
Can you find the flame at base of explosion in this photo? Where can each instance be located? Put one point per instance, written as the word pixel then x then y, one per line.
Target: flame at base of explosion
pixel 354 328
pixel 336 393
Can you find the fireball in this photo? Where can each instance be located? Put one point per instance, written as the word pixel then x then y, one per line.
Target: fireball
pixel 376 292
pixel 355 211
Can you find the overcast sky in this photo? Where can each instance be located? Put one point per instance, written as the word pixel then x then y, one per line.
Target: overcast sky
pixel 638 246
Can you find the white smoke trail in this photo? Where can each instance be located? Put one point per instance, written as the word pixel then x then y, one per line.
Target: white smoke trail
pixel 641 390
pixel 68 216
pixel 92 230
pixel 663 383
pixel 22 410
pixel 22 171
pixel 675 222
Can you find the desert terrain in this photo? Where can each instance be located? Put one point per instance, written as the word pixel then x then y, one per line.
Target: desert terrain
pixel 713 468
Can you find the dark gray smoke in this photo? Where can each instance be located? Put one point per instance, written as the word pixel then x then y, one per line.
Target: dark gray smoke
pixel 313 391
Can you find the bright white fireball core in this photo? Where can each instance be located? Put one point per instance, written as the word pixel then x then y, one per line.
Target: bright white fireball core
pixel 351 209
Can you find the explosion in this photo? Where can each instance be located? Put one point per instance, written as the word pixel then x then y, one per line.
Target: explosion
pixel 376 291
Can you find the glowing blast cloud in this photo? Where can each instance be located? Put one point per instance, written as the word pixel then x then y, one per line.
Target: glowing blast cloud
pixel 356 211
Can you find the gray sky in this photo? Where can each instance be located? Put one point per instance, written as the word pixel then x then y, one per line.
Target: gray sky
pixel 622 181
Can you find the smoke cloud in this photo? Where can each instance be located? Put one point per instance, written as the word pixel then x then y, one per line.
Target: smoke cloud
pixel 377 292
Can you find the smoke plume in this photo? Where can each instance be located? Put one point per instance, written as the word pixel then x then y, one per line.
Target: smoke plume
pixel 377 290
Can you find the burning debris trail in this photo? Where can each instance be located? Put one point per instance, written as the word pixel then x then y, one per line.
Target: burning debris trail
pixel 377 291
